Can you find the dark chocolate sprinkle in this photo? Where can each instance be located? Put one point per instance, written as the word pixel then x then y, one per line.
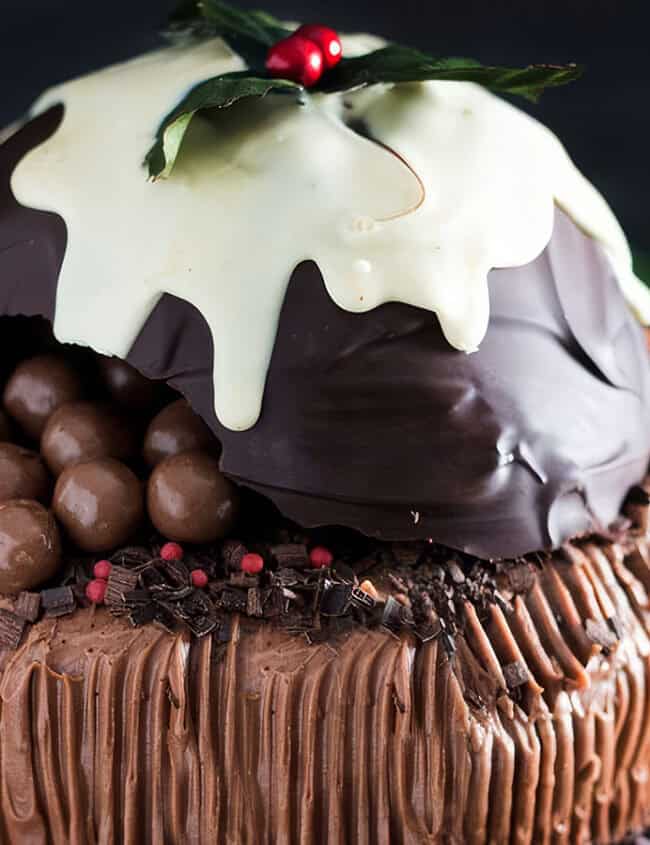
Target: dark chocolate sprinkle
pixel 28 606
pixel 120 582
pixel 59 601
pixel 290 555
pixel 11 629
pixel 516 674
pixel 232 553
pixel 335 599
pixel 600 633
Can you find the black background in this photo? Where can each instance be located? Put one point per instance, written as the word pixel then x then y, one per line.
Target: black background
pixel 604 120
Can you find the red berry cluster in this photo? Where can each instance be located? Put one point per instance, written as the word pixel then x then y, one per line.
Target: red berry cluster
pixel 96 589
pixel 304 56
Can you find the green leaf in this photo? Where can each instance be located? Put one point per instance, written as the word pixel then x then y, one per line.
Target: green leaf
pixel 249 33
pixel 403 64
pixel 256 25
pixel 220 92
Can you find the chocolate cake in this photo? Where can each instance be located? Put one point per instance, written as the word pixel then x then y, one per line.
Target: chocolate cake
pixel 324 494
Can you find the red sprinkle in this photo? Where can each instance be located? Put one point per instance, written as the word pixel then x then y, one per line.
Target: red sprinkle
pixel 102 569
pixel 252 563
pixel 96 590
pixel 171 551
pixel 296 58
pixel 199 578
pixel 327 39
pixel 319 557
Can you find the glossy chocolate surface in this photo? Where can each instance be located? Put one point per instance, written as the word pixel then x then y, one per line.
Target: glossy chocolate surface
pixel 189 500
pixel 30 547
pixel 82 431
pixel 5 427
pixel 128 387
pixel 37 388
pixel 177 428
pixel 23 475
pixel 99 503
pixel 373 421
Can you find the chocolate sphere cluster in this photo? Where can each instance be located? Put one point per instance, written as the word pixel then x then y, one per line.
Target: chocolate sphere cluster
pixel 91 454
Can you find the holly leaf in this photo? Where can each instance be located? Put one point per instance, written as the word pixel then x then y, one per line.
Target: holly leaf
pixel 394 64
pixel 248 33
pixel 219 92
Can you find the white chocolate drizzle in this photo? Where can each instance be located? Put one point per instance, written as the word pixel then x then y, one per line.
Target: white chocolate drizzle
pixel 264 185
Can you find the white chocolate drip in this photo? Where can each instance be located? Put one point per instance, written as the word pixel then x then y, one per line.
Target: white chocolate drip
pixel 264 185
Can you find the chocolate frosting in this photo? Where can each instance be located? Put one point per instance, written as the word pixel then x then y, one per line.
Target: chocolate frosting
pixel 534 733
pixel 373 421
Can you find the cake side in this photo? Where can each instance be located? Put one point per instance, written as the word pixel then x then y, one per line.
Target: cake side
pixel 533 728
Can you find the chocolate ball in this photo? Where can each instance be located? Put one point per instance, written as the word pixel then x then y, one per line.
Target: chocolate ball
pixel 37 387
pixel 127 386
pixel 30 546
pixel 189 500
pixel 22 474
pixel 174 430
pixel 82 431
pixel 5 427
pixel 99 503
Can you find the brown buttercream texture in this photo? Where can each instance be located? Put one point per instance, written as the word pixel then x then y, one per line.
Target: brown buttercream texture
pixel 109 734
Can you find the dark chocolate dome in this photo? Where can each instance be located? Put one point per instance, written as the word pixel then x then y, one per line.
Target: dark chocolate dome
pixel 373 421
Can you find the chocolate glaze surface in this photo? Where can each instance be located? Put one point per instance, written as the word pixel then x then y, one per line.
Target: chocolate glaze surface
pixel 30 547
pixel 534 733
pixel 37 388
pixel 99 503
pixel 23 474
pixel 82 431
pixel 177 428
pixel 375 422
pixel 189 500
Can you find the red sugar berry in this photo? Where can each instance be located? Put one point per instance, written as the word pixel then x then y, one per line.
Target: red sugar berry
pixel 319 557
pixel 327 39
pixel 252 563
pixel 171 551
pixel 96 590
pixel 199 578
pixel 102 569
pixel 296 58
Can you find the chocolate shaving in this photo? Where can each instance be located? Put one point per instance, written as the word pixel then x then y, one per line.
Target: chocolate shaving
pixel 616 625
pixel 11 629
pixel 290 555
pixel 28 606
pixel 59 601
pixel 232 601
pixel 335 598
pixel 232 553
pixel 142 614
pixel 516 674
pixel 121 581
pixel 362 599
pixel 600 633
pixel 254 606
pixel 164 618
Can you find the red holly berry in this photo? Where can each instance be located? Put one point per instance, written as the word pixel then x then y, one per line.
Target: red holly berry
pixel 296 58
pixel 252 563
pixel 171 551
pixel 102 569
pixel 199 578
pixel 319 557
pixel 96 590
pixel 327 39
